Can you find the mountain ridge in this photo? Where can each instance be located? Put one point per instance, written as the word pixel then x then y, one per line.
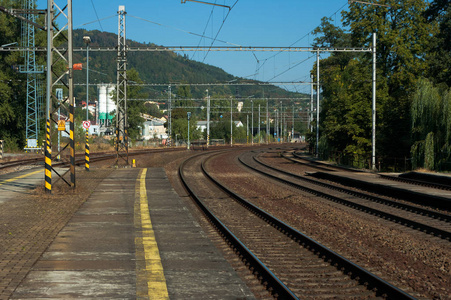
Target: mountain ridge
pixel 162 68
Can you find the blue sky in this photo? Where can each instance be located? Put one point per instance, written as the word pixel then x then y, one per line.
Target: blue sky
pixel 249 23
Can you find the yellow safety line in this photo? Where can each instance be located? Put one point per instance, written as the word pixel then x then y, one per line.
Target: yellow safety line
pixel 156 282
pixel 19 177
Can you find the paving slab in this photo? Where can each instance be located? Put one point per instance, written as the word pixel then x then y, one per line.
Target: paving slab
pixel 104 253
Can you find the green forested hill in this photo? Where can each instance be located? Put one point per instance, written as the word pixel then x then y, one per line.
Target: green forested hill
pixel 151 67
pixel 159 67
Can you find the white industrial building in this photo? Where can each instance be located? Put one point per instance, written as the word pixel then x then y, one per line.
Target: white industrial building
pixel 106 104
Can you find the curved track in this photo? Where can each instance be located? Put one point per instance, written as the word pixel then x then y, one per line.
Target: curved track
pixel 424 220
pixel 288 262
pixel 413 178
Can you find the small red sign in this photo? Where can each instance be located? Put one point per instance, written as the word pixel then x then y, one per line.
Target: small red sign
pixel 77 66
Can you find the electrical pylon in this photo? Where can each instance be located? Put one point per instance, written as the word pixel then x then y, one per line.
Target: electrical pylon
pixel 32 70
pixel 59 72
pixel 121 91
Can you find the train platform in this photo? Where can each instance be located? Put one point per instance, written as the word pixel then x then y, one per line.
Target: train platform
pixel 133 238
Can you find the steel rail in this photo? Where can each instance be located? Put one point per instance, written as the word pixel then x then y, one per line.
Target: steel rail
pixel 406 207
pixel 384 215
pixel 311 164
pixel 364 277
pixel 13 163
pixel 278 288
pixel 323 164
pixel 417 182
pixel 404 194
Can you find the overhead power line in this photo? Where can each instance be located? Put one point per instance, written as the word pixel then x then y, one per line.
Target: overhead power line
pixel 95 11
pixel 200 48
pixel 181 30
pixel 98 20
pixel 205 29
pixel 272 83
pixel 209 3
pixel 298 40
pixel 219 30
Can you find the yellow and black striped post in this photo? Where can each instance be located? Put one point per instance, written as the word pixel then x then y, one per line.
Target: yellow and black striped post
pixel 72 145
pixel 87 151
pixel 1 149
pixel 48 159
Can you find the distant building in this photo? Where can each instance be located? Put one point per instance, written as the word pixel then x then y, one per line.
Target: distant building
pixel 106 104
pixel 154 129
pixel 201 126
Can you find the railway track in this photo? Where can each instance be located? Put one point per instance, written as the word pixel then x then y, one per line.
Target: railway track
pixel 424 182
pixel 408 195
pixel 15 163
pixel 80 158
pixel 300 159
pixel 413 178
pixel 290 264
pixel 424 220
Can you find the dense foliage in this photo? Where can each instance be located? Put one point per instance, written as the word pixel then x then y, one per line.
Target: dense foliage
pixel 12 122
pixel 431 126
pixel 412 43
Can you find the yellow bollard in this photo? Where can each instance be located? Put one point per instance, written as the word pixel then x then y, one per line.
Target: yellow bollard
pixel 133 164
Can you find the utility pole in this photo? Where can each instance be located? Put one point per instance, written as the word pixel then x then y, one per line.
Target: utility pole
pixel 208 119
pixel 268 128
pixel 259 141
pixel 310 116
pixel 252 122
pixel 247 129
pixel 317 102
pixel 276 125
pixel 87 40
pixel 32 70
pixel 231 123
pixel 292 126
pixel 373 154
pixel 170 114
pixel 281 122
pixel 188 115
pixel 121 91
pixel 63 76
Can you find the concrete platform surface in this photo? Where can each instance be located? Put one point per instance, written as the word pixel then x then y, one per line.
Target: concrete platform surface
pixel 133 239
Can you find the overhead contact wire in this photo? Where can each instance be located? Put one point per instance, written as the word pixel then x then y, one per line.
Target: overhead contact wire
pixel 181 30
pixel 219 30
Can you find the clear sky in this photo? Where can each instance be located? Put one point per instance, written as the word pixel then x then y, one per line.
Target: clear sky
pixel 249 23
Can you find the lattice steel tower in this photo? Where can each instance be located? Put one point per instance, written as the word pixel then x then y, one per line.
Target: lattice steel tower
pixel 32 70
pixel 121 91
pixel 59 73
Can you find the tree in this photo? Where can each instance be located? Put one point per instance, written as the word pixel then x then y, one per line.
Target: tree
pixel 153 110
pixel 183 93
pixel 431 126
pixel 439 57
pixel 12 84
pixel 221 129
pixel 135 108
pixel 403 40
pixel 180 128
pixel 346 125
